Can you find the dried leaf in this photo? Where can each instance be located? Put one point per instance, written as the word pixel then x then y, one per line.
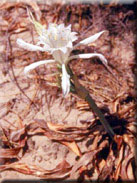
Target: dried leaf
pixel 61 170
pixel 119 140
pixel 34 128
pixel 119 163
pixel 84 161
pixel 55 127
pixel 65 128
pixel 129 139
pixel 101 164
pixel 16 135
pixel 130 172
pixel 9 153
pixel 82 105
pixel 95 142
pixel 73 146
pixel 108 168
pixel 6 5
pixel 124 167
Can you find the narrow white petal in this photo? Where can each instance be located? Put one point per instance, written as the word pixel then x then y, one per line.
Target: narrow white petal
pixel 69 26
pixel 65 81
pixel 90 55
pixel 36 64
pixel 63 49
pixel 61 26
pixel 90 39
pixel 69 45
pixel 29 46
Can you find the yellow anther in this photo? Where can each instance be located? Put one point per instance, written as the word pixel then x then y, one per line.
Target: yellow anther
pixel 55 37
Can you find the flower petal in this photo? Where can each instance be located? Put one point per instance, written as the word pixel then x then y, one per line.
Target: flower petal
pixel 90 55
pixel 36 64
pixel 90 39
pixel 29 46
pixel 59 56
pixel 69 45
pixel 63 49
pixel 65 81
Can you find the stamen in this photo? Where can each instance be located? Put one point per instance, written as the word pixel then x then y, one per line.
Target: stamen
pixel 55 37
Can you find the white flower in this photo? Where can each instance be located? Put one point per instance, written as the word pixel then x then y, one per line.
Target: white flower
pixel 65 81
pixel 58 41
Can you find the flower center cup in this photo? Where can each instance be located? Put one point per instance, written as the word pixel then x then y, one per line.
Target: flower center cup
pixel 58 39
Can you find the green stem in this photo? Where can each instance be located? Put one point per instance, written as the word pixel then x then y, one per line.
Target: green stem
pixel 98 112
pixel 84 94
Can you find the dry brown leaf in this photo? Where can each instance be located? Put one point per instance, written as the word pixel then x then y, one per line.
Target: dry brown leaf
pixel 35 128
pixel 82 105
pixel 108 168
pixel 61 170
pixel 132 128
pixel 6 5
pixel 95 142
pixel 20 29
pixel 124 167
pixel 41 128
pixel 129 140
pixel 9 153
pixel 126 109
pixel 84 161
pixel 55 127
pixel 65 128
pixel 69 133
pixel 119 163
pixel 82 169
pixel 119 140
pixel 101 164
pixel 16 135
pixel 130 172
pixel 73 147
